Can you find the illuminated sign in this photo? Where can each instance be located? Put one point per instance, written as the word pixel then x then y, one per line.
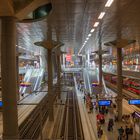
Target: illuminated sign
pixel 68 57
pixel 1 104
pixel 104 102
pixel 134 102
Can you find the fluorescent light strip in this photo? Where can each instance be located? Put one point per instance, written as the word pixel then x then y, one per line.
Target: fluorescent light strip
pixel 96 24
pixel 80 50
pixel 92 30
pixel 109 2
pixel 89 35
pixel 101 15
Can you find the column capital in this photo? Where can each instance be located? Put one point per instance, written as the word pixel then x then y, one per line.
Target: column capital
pixel 49 44
pixel 119 43
pixel 100 52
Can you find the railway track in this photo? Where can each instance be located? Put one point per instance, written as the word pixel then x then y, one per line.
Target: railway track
pixel 71 125
pixel 31 127
pixel 32 116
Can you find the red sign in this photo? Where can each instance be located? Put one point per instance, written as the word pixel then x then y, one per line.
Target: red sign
pixel 68 57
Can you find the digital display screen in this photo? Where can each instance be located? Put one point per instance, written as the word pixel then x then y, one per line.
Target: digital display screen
pixel 134 102
pixel 1 104
pixel 104 102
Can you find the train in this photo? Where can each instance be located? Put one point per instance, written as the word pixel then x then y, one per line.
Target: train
pixel 129 84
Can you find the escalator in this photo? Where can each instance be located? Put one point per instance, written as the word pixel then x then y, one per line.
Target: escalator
pixel 32 80
pixel 91 77
pixel 26 79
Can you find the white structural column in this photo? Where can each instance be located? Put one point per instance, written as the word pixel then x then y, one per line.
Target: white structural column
pixel 9 78
pixel 50 84
pixel 59 76
pixel 100 68
pixel 119 82
pixel 63 60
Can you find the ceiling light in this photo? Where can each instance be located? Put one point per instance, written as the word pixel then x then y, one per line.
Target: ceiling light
pixel 92 30
pixel 101 15
pixel 89 35
pixel 96 24
pixel 85 41
pixel 80 50
pixel 87 38
pixel 109 2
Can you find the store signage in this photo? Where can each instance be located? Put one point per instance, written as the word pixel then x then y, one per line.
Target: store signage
pixel 104 102
pixel 134 102
pixel 68 57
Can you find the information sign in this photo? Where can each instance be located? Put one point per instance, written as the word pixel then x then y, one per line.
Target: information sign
pixel 1 104
pixel 104 102
pixel 134 102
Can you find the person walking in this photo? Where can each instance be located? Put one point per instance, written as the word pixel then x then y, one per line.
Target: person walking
pixel 127 132
pixel 121 132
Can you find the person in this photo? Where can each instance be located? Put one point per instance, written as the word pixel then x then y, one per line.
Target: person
pixel 110 125
pixel 127 132
pixel 91 107
pixel 131 130
pixel 100 132
pixel 106 110
pixel 116 118
pixel 84 99
pixel 121 132
pixel 102 119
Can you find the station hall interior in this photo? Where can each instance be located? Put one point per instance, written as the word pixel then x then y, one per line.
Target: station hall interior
pixel 70 70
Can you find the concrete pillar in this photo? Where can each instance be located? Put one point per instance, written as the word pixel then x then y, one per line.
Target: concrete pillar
pixel 63 64
pixel 17 66
pixel 50 84
pixel 100 70
pixel 88 59
pixel 59 76
pixel 9 78
pixel 119 82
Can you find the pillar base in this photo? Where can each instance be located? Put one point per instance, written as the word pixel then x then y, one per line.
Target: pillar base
pixel 8 137
pixel 51 113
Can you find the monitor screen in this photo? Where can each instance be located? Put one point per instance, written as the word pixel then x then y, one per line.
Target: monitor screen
pixel 104 102
pixel 134 102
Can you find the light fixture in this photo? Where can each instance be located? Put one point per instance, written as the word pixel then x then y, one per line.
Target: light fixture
pixel 80 50
pixel 92 30
pixel 109 2
pixel 96 24
pixel 89 35
pixel 101 15
pixel 87 38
